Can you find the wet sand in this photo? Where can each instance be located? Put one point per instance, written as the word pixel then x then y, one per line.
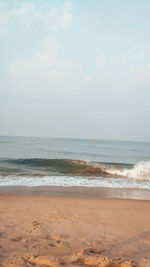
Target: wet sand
pixel 42 230
pixel 78 191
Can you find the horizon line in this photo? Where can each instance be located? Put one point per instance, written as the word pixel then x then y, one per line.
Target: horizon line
pixel 78 138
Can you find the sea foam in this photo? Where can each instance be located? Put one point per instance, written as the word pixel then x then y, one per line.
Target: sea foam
pixel 140 170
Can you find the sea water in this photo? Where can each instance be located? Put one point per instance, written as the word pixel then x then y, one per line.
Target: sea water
pixel 34 161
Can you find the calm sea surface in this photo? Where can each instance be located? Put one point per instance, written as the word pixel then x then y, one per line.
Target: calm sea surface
pixel 74 162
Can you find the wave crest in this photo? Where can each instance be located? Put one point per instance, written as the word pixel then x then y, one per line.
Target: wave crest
pixel 139 171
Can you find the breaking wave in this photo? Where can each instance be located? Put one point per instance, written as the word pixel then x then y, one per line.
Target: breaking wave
pixel 37 166
pixel 138 171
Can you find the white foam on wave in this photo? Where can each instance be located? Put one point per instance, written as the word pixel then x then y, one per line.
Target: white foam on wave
pixel 140 171
pixel 72 181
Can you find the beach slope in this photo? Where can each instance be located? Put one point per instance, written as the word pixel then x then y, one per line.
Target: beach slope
pixel 54 231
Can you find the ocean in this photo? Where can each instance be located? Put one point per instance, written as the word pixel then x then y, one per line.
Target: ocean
pixel 34 161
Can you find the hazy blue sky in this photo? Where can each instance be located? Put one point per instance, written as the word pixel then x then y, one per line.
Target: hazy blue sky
pixel 77 68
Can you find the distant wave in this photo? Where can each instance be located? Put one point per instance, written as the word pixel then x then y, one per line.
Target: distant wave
pixel 40 166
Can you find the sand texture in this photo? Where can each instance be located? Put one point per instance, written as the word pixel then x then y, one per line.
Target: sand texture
pixel 58 231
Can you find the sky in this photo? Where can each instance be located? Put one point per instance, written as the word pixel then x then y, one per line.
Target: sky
pixel 76 69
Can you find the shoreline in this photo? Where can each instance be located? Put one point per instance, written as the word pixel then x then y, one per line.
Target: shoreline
pixel 78 192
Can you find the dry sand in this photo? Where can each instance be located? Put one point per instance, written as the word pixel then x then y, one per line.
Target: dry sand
pixel 53 231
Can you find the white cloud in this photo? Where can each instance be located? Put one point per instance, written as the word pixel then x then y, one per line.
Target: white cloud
pixel 13 17
pixel 45 70
pixel 48 70
pixel 66 16
pixel 31 72
pixel 101 60
pixel 148 66
pixel 125 72
pixel 22 16
pixel 43 58
pixel 87 79
pixel 131 56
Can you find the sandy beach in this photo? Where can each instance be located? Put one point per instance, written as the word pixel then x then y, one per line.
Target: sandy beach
pixel 37 230
pixel 74 133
